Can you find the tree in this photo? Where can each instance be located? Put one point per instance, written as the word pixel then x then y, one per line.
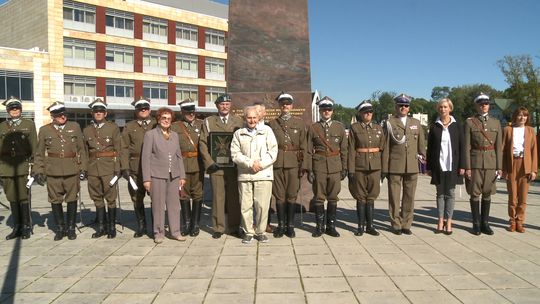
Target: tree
pixel 524 80
pixel 438 93
pixel 343 114
pixel 383 105
pixel 463 98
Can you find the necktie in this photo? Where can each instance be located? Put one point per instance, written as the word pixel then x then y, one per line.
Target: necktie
pixel 224 120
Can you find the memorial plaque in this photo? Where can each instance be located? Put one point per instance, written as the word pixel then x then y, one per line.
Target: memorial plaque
pixel 220 148
pixel 268 52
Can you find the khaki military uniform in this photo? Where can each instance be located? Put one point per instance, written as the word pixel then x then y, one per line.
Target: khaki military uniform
pixel 61 156
pixel 291 137
pixel 130 155
pixel 18 141
pixel 103 144
pixel 188 135
pixel 225 180
pixel 400 161
pixel 482 155
pixel 326 157
pixel 366 143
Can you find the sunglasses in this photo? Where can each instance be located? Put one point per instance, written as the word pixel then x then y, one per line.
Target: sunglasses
pixel 367 112
pixel 484 103
pixel 403 106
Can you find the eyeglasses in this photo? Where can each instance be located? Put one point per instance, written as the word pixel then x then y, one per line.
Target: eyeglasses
pixel 367 112
pixel 165 118
pixel 144 109
pixel 330 110
pixel 403 106
pixel 484 103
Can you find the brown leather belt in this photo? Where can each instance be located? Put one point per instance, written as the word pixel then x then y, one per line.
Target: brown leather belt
pixel 103 154
pixel 325 153
pixel 486 148
pixel 15 153
pixel 367 150
pixel 287 148
pixel 190 154
pixel 62 154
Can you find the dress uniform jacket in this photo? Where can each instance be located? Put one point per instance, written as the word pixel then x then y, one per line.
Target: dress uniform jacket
pixel 291 137
pixel 18 143
pixel 189 135
pixel 482 152
pixel 326 148
pixel 361 137
pixel 104 145
pixel 60 152
pixel 132 142
pixel 402 158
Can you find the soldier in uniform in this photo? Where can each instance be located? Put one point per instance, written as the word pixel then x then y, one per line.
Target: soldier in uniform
pixel 483 162
pixel 130 158
pixel 18 140
pixel 405 147
pixel 61 160
pixel 102 139
pixel 366 143
pixel 326 163
pixel 189 131
pixel 290 134
pixel 224 180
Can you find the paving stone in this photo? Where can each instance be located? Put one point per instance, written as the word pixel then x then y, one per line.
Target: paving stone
pixel 403 269
pixel 193 272
pixel 68 271
pixel 319 271
pixel 186 298
pixel 240 260
pixel 326 285
pixel 110 271
pixel 235 272
pixel 139 298
pixel 125 260
pixel 521 295
pixel 372 284
pixel 316 259
pixel 139 286
pixel 186 286
pixel 381 297
pixel 159 261
pixel 150 272
pixel 430 296
pixel 272 298
pixel 79 298
pixel 279 285
pixel 95 285
pixel 242 286
pixel 31 298
pixel 461 282
pixel 363 270
pixel 50 285
pixel 278 271
pixel 503 281
pixel 444 269
pixel 486 296
pixel 416 283
pixel 220 298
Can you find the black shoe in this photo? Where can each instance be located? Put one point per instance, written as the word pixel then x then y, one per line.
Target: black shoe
pixel 370 206
pixel 185 215
pixel 112 223
pixel 290 220
pixel 281 211
pixel 475 213
pixel 58 215
pixel 396 231
pixel 101 231
pixel 217 235
pixel 71 215
pixel 16 218
pixel 331 220
pixel 195 218
pixel 406 231
pixel 141 221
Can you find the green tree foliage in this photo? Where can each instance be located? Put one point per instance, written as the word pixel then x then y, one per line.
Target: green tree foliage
pixel 383 105
pixel 343 114
pixel 463 98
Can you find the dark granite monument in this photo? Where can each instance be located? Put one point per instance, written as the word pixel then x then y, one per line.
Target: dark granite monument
pixel 268 52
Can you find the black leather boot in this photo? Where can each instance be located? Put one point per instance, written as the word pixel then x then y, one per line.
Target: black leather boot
pixel 71 215
pixel 290 219
pixel 331 220
pixel 185 214
pixel 16 218
pixel 101 231
pixel 361 214
pixel 195 218
pixel 58 214
pixel 281 215
pixel 319 220
pixel 485 218
pixel 26 229
pixel 475 213
pixel 112 223
pixel 370 206
pixel 141 221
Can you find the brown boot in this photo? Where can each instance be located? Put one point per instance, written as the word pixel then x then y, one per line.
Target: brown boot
pixel 512 226
pixel 519 227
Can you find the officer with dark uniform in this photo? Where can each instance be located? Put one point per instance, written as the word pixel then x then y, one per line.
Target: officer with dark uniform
pixel 326 163
pixel 405 147
pixel 61 160
pixel 290 134
pixel 189 131
pixel 103 143
pixel 366 143
pixel 130 158
pixel 18 140
pixel 224 180
pixel 483 162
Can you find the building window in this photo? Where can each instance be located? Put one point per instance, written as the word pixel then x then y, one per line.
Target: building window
pixel 79 16
pixel 119 88
pixel 215 37
pixel 119 57
pixel 154 61
pixel 119 19
pixel 79 88
pixel 184 91
pixel 212 93
pixel 155 90
pixel 186 34
pixel 16 84
pixel 154 29
pixel 186 65
pixel 215 68
pixel 79 53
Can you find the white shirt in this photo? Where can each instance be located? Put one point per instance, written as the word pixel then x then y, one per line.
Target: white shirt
pixel 519 139
pixel 403 120
pixel 445 156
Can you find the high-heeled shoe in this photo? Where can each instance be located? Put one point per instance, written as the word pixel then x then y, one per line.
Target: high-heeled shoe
pixel 446 231
pixel 439 231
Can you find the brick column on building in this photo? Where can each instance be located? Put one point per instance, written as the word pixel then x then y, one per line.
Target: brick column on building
pixel 138 59
pixel 137 26
pixel 100 55
pixel 138 89
pixel 202 96
pixel 201 67
pixel 226 52
pixel 171 94
pixel 100 19
pixel 171 63
pixel 201 37
pixel 101 87
pixel 171 32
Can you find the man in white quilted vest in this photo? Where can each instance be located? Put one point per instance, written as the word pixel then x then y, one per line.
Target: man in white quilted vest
pixel 254 150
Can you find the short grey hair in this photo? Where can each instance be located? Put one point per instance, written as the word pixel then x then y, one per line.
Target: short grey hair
pixel 250 108
pixel 450 104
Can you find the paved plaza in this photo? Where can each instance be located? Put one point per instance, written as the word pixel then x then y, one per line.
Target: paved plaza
pixel 421 268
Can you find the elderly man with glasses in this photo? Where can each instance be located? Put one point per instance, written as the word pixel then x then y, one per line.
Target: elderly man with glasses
pixel 405 147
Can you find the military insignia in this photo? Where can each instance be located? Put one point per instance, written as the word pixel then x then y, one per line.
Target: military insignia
pixel 295 131
pixel 413 127
pixel 70 131
pixel 23 137
pixel 107 140
pixel 336 140
pixel 197 130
